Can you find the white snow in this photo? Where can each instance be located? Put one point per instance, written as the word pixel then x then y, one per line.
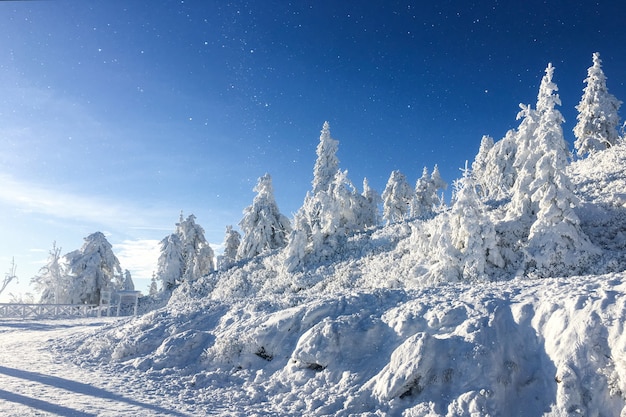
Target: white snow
pixel 542 347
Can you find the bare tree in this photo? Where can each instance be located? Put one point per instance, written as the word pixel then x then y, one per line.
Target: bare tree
pixel 9 276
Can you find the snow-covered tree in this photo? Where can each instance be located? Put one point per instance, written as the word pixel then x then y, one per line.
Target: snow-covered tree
pixel 127 284
pixel 326 164
pixel 597 113
pixel 92 269
pixel 264 227
pixel 539 133
pixel 368 213
pixel 154 288
pixel 493 168
pixel 232 240
pixel 51 282
pixel 9 276
pixel 185 254
pixel 332 210
pixel 397 198
pixel 425 199
pixel 170 265
pixel 296 250
pixel 196 251
pixel 479 166
pixel 473 233
pixel 556 243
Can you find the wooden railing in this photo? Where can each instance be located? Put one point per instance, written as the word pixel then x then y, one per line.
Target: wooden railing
pixel 48 310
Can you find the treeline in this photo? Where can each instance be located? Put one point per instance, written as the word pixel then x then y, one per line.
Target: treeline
pixel 512 212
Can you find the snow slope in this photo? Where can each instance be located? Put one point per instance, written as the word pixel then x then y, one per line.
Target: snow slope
pixel 362 332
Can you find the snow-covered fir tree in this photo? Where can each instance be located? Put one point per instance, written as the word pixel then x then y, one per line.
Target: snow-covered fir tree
pixel 264 227
pixel 425 198
pixel 170 265
pixel 351 211
pixel 479 166
pixel 473 233
pixel 397 198
pixel 332 210
pixel 539 132
pixel 598 117
pixel 92 269
pixel 154 287
pixel 556 243
pixel 294 253
pixel 127 284
pixel 369 210
pixel 493 169
pixel 185 255
pixel 327 163
pixel 197 254
pixel 232 240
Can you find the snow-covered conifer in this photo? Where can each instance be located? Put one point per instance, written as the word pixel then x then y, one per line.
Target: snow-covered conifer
pixel 556 243
pixel 437 181
pixel 539 133
pixel 597 113
pixel 185 254
pixel 154 288
pixel 397 198
pixel 327 164
pixel 473 233
pixel 368 215
pixel 232 240
pixel 264 227
pixel 128 284
pixel 425 199
pixel 295 251
pixel 479 166
pixel 494 171
pixel 93 269
pixel 170 265
pixel 197 254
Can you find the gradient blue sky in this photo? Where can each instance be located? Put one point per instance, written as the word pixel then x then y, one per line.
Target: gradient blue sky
pixel 117 115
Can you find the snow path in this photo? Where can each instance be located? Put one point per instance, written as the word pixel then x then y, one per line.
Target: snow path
pixel 34 381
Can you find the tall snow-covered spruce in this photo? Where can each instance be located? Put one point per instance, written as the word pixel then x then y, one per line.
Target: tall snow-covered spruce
pixel 232 240
pixel 425 199
pixel 185 254
pixel 327 163
pixel 397 198
pixel 331 211
pixel 264 227
pixel 598 117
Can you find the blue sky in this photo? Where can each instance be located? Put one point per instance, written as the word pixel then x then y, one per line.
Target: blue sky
pixel 117 115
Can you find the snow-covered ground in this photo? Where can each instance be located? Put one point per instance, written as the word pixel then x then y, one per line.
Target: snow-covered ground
pixel 528 348
pixel 35 380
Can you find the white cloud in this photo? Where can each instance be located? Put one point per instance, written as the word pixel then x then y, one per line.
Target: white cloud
pixel 138 256
pixel 35 198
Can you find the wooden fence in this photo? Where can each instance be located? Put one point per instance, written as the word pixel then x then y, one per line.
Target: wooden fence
pixel 48 310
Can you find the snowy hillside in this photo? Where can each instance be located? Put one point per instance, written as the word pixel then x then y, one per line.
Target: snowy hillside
pixel 369 331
